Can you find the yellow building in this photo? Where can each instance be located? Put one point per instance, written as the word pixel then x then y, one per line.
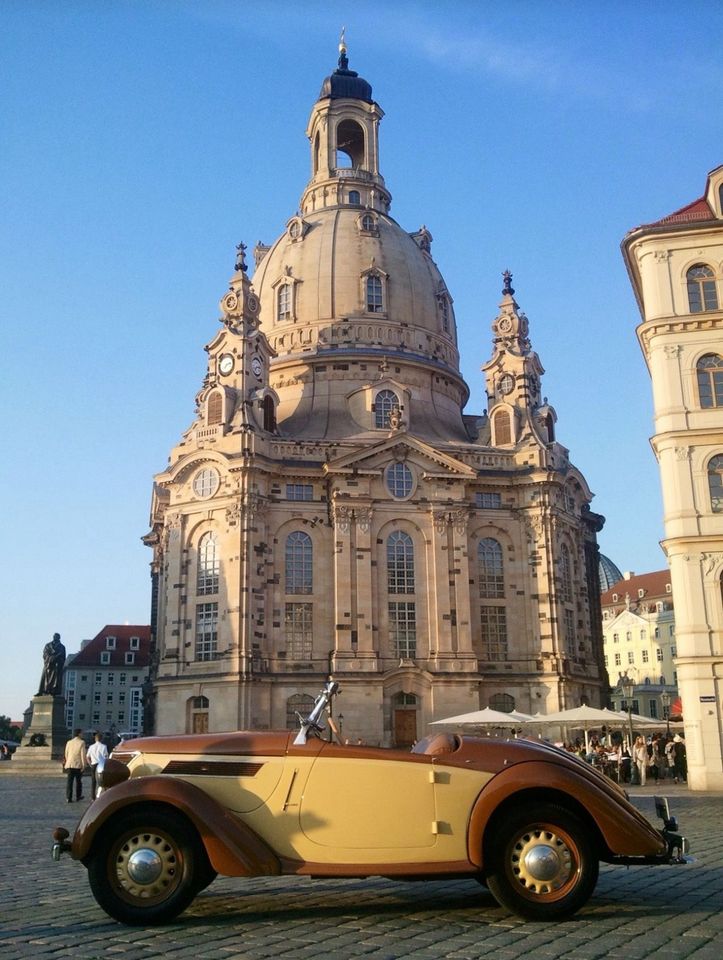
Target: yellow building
pixel 639 642
pixel 676 268
pixel 332 509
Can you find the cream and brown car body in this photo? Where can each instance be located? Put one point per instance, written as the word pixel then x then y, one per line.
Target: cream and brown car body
pixel 259 803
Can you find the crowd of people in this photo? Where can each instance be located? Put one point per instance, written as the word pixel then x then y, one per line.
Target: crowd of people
pixel 657 757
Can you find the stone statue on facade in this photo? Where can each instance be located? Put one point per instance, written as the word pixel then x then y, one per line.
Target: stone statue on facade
pixel 51 682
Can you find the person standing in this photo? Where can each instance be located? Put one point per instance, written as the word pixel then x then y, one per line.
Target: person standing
pixel 96 751
pixel 640 758
pixel 680 761
pixel 74 762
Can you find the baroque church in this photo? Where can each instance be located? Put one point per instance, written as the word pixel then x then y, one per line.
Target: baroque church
pixel 332 510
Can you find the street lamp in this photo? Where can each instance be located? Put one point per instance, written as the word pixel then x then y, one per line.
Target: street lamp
pixel 627 685
pixel 665 701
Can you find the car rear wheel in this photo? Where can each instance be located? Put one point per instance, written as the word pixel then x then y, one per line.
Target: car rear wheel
pixel 145 866
pixel 541 863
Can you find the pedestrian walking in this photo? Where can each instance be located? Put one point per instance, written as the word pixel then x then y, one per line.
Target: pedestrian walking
pixel 74 762
pixel 96 751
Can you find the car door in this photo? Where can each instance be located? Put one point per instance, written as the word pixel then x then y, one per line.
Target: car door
pixel 369 805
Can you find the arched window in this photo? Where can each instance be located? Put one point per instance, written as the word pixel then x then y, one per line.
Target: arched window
pixel 550 427
pixel 715 483
pixel 400 563
pixel 208 565
pixel 502 702
pixel 299 703
pixel 702 293
pixel 299 563
pixel 283 302
pixel 349 144
pixel 354 198
pixel 503 429
pixel 489 562
pixel 269 414
pixel 374 294
pixel 368 222
pixel 710 380
pixel 493 613
pixel 214 414
pixel 384 403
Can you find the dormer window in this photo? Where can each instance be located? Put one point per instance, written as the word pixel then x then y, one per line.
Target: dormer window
pixel 110 643
pixel 105 657
pixel 368 223
pixel 702 292
pixel 283 302
pixel 374 294
pixel 386 402
pixel 135 643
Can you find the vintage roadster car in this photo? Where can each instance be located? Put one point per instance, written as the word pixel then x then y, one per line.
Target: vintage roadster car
pixel 529 821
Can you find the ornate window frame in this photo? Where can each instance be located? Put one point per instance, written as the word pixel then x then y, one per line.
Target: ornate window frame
pixel 289 314
pixel 709 377
pixel 368 224
pixel 702 289
pixel 380 309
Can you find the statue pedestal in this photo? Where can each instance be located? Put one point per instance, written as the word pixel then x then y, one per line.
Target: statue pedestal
pixel 49 723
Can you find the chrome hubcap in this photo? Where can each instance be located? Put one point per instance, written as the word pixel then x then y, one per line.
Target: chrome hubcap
pixel 147 866
pixel 541 861
pixel 144 866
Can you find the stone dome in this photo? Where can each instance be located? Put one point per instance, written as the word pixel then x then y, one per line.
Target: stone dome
pixel 326 258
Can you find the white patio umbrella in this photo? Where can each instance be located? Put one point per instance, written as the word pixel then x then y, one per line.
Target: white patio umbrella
pixel 582 718
pixel 484 718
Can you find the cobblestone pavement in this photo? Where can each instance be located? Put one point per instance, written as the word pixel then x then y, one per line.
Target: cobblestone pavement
pixel 47 910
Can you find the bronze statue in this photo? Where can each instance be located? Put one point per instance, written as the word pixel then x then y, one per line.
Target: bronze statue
pixel 53 661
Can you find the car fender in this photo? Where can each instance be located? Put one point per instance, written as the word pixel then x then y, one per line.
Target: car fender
pixel 624 830
pixel 233 848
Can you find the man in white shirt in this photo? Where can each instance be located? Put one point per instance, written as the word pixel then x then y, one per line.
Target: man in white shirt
pixel 74 763
pixel 96 751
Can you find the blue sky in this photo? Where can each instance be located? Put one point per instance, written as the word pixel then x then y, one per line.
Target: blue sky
pixel 142 140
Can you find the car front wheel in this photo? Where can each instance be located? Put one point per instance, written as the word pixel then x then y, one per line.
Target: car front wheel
pixel 145 866
pixel 541 863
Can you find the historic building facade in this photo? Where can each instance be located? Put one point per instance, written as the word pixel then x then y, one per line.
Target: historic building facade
pixel 332 510
pixel 103 684
pixel 639 641
pixel 676 268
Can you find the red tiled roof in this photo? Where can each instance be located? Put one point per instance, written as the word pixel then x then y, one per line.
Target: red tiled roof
pixel 652 583
pixel 89 656
pixel 697 210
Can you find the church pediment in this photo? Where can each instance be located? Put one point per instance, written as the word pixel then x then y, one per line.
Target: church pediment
pixel 401 446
